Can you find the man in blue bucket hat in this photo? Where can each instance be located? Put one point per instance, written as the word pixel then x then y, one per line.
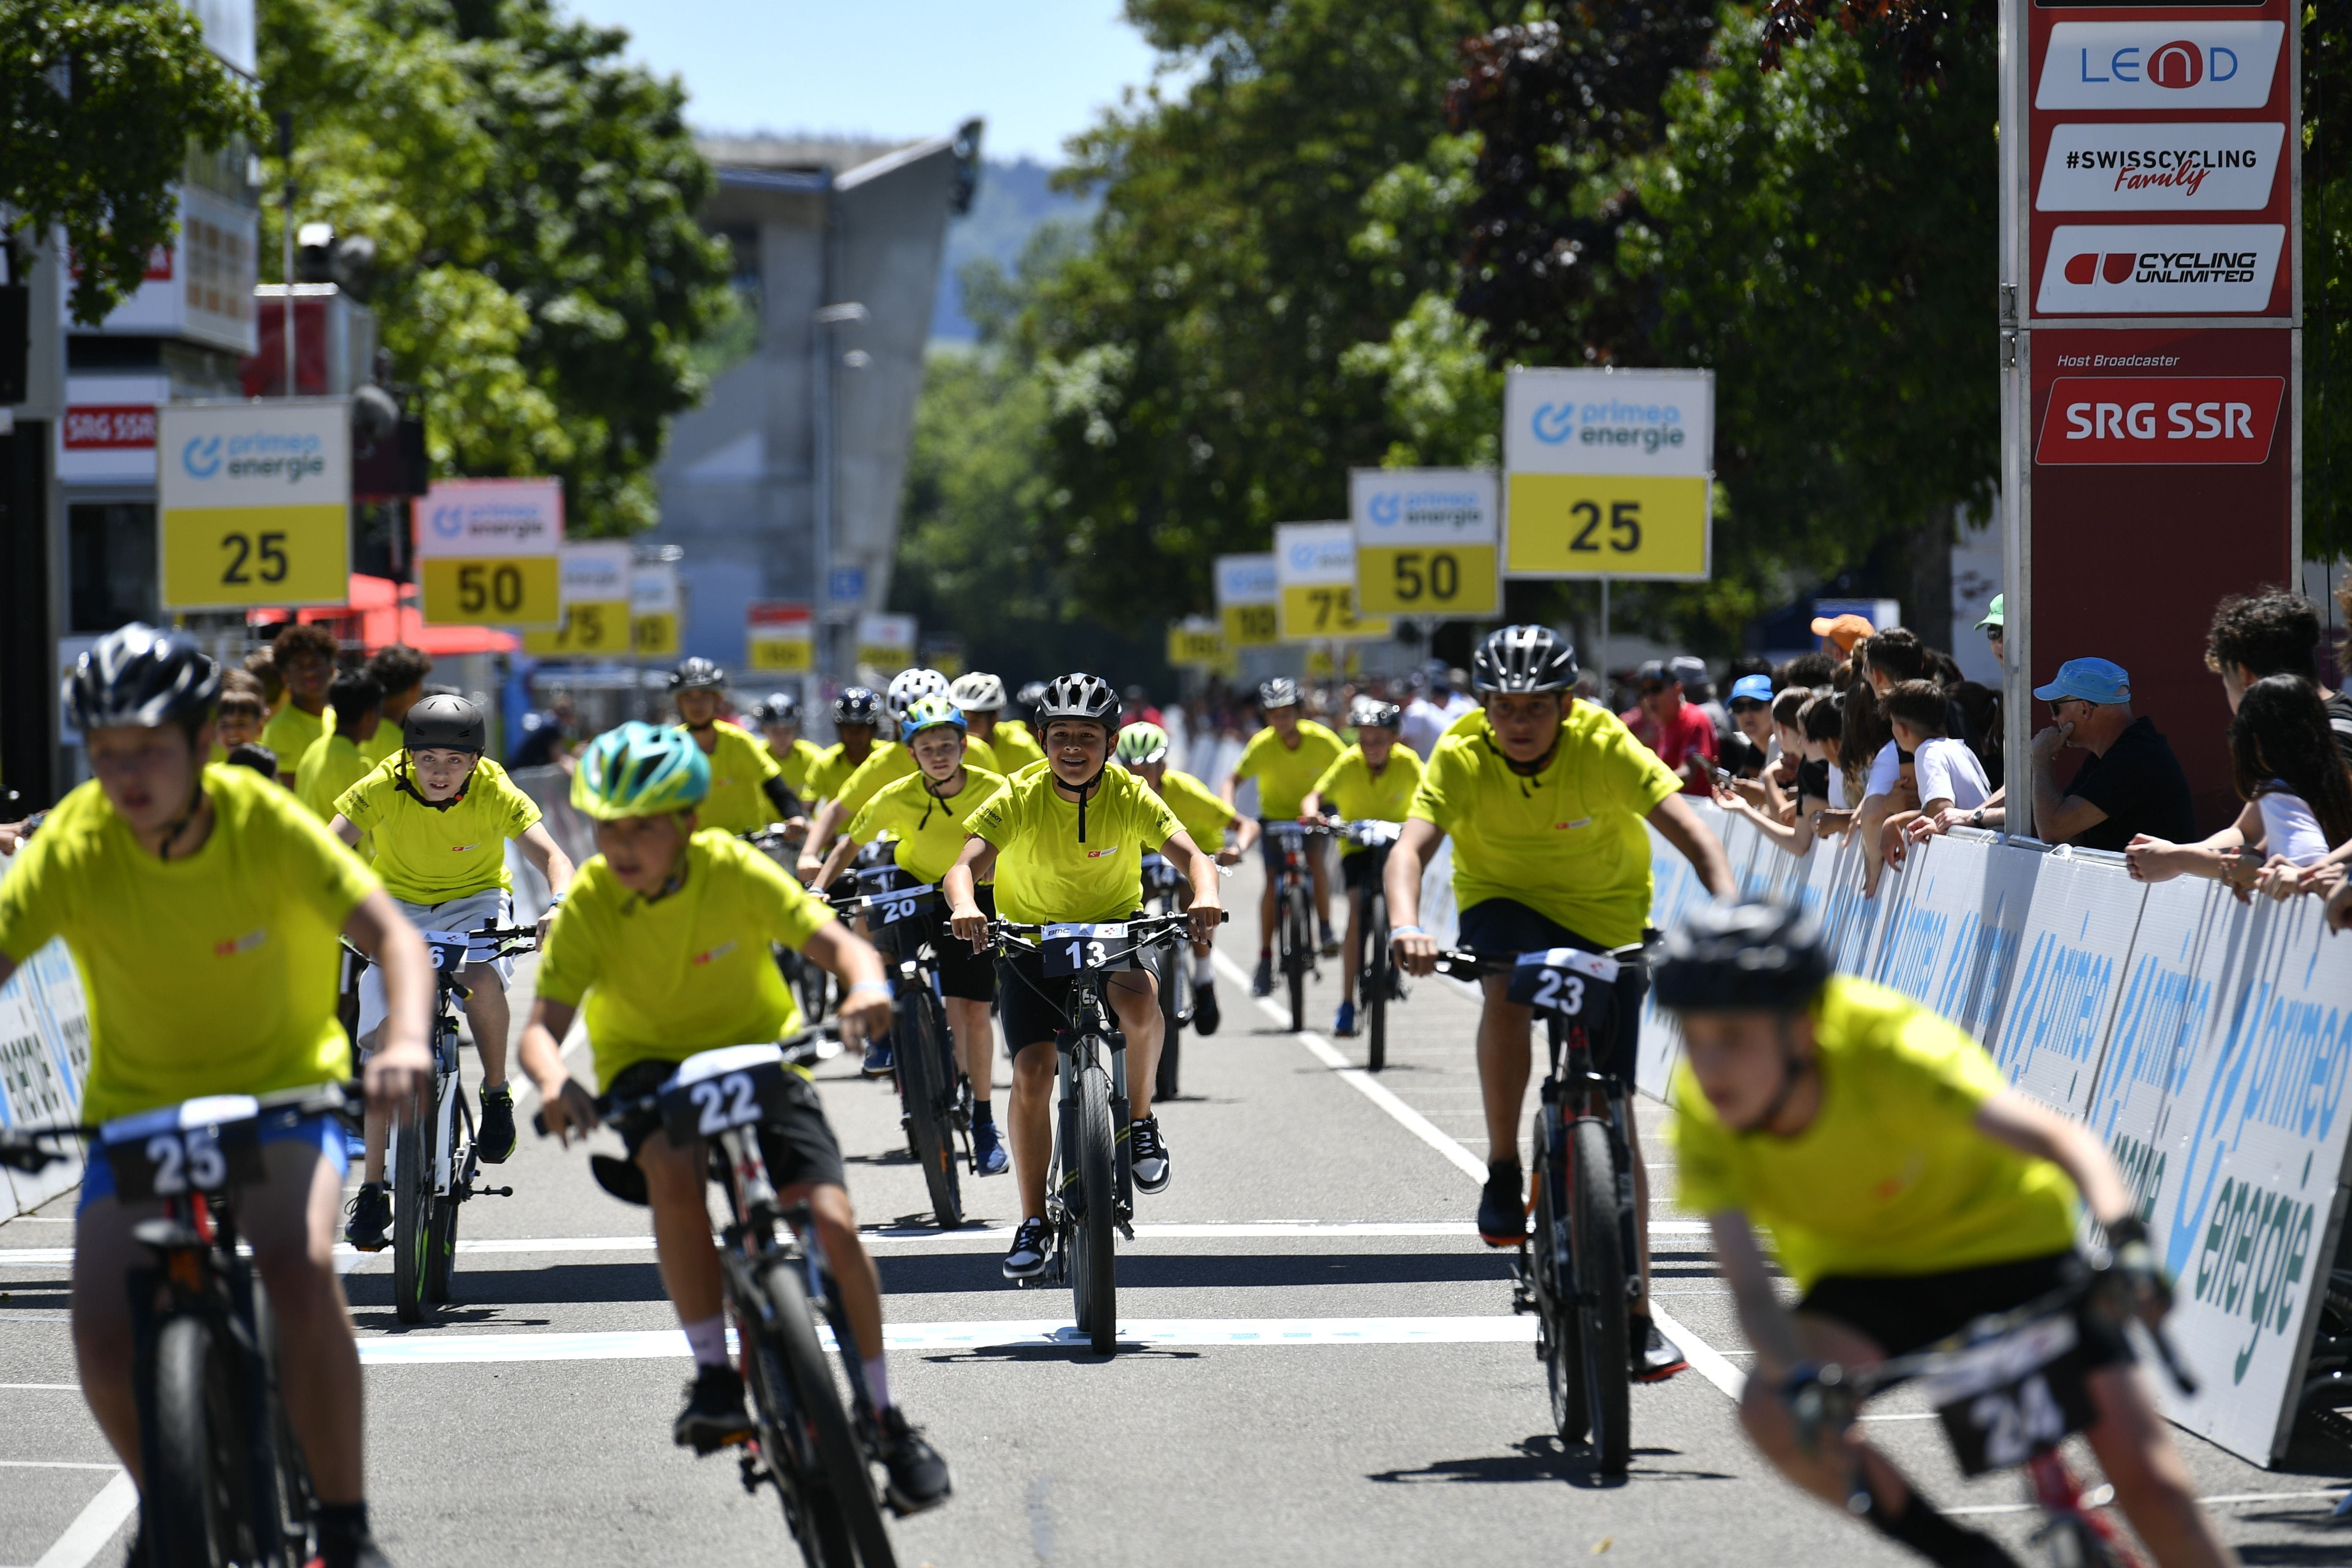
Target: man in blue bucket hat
pixel 2131 783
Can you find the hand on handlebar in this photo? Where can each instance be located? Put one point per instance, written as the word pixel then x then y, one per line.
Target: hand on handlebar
pixel 2138 1271
pixel 865 1015
pixel 1415 950
pixel 396 1075
pixel 569 1109
pixel 966 921
pixel 1204 917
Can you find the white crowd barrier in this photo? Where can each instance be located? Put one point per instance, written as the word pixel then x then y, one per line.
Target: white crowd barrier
pixel 44 1056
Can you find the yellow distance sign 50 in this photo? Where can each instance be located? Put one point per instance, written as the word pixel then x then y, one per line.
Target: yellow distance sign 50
pixel 493 591
pixel 592 628
pixel 1325 613
pixel 1608 525
pixel 1428 579
pixel 235 555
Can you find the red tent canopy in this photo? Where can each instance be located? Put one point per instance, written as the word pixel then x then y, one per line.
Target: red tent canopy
pixel 381 612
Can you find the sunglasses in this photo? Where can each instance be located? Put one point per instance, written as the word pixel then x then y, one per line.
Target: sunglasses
pixel 1748 705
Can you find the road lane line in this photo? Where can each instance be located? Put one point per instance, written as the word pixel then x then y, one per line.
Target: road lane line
pixel 72 1387
pixel 95 1526
pixel 2213 1500
pixel 1704 1358
pixel 56 1464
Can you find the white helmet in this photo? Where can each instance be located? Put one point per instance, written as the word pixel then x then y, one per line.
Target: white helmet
pixel 978 693
pixel 911 686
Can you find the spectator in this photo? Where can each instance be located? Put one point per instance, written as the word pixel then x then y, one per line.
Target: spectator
pixel 1790 826
pixel 1994 624
pixel 335 761
pixel 400 671
pixel 1699 691
pixel 2130 784
pixel 1946 774
pixel 1751 712
pixel 1871 760
pixel 304 655
pixel 1806 671
pixel 2274 633
pixel 261 666
pixel 1438 702
pixel 1742 758
pixel 1979 705
pixel 1841 632
pixel 258 757
pixel 1686 738
pixel 2286 768
pixel 1135 708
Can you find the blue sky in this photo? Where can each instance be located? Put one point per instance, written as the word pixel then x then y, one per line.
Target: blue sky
pixel 1036 69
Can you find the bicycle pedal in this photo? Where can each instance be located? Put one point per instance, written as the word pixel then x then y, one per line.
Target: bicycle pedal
pixel 490 1192
pixel 750 1472
pixel 1127 1229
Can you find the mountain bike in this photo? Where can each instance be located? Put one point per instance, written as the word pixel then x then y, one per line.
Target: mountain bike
pixel 934 1093
pixel 2008 1390
pixel 1090 1185
pixel 1579 1270
pixel 225 1477
pixel 1164 892
pixel 1294 913
pixel 1377 977
pixel 815 1451
pixel 811 983
pixel 430 1160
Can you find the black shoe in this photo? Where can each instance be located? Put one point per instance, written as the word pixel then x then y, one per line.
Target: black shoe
pixel 495 1138
pixel 370 1229
pixel 1148 1155
pixel 364 1553
pixel 1204 1010
pixel 714 1416
pixel 1656 1357
pixel 1503 1206
pixel 1262 983
pixel 919 1477
pixel 1026 1260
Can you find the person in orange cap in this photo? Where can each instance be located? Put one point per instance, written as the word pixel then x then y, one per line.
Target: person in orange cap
pixel 1844 631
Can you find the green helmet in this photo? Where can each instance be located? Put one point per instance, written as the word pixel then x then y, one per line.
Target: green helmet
pixel 928 713
pixel 638 770
pixel 1140 744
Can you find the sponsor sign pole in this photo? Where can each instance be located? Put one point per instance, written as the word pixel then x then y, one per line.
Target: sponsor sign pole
pixel 2151 349
pixel 487 553
pixel 1248 601
pixel 256 503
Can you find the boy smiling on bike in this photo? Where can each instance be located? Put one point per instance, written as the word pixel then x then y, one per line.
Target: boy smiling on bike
pixel 1545 799
pixel 202 907
pixel 1908 1190
pixel 1066 845
pixel 667 937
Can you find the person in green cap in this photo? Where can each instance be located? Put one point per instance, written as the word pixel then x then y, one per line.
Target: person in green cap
pixel 1994 623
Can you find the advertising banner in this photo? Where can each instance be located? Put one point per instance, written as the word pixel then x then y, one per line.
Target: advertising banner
pixel 488 552
pixel 1425 540
pixel 594 589
pixel 1608 473
pixel 654 610
pixel 1315 566
pixel 255 502
pixel 1249 600
pixel 885 642
pixel 779 638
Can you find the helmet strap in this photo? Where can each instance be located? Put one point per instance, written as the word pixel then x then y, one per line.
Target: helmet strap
pixel 1083 789
pixel 179 823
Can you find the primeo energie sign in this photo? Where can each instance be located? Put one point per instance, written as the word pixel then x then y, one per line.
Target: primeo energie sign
pixel 1608 473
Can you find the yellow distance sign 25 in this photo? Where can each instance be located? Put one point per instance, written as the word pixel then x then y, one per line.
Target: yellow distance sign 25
pixel 1607 525
pixel 1252 626
pixel 493 591
pixel 246 556
pixel 654 634
pixel 1428 579
pixel 1327 612
pixel 592 628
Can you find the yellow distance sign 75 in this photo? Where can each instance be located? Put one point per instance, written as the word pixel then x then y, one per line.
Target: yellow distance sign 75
pixel 1607 525
pixel 231 555
pixel 493 591
pixel 1326 612
pixel 1428 579
pixel 592 628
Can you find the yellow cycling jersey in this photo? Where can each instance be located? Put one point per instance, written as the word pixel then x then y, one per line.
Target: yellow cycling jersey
pixel 213 973
pixel 290 732
pixel 740 768
pixel 1046 872
pixel 831 770
pixel 793 767
pixel 687 973
pixel 1015 746
pixel 1203 814
pixel 891 761
pixel 383 743
pixel 1284 773
pixel 932 829
pixel 1350 788
pixel 332 764
pixel 1567 842
pixel 1893 1176
pixel 429 854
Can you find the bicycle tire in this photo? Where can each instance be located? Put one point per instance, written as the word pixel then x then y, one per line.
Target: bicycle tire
pixel 1601 1275
pixel 1372 980
pixel 1168 972
pixel 197 1486
pixel 810 1513
pixel 1560 1340
pixel 1298 936
pixel 841 1457
pixel 1094 1268
pixel 924 1048
pixel 296 1505
pixel 412 1217
pixel 814 986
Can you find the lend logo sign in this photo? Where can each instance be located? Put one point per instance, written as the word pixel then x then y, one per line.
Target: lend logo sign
pixel 2184 269
pixel 2161 419
pixel 2160 65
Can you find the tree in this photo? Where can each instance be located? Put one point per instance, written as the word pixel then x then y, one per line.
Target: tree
pixel 99 105
pixel 2327 283
pixel 539 275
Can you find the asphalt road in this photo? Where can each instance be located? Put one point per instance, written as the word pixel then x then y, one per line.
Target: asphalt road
pixel 1324 1368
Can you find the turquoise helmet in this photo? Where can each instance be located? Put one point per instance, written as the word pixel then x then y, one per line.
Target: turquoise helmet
pixel 639 769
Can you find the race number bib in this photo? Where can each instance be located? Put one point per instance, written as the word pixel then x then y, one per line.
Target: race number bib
pixel 2004 1402
pixel 1077 949
pixel 901 903
pixel 204 1145
pixel 449 949
pixel 1568 983
pixel 718 1091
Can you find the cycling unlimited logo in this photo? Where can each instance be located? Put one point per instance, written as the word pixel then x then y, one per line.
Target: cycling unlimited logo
pixel 2173 270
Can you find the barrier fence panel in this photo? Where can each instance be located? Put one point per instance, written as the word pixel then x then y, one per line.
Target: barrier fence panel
pixel 2072 954
pixel 44 1056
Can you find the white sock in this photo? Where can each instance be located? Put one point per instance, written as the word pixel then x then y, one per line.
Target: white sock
pixel 708 1339
pixel 878 1382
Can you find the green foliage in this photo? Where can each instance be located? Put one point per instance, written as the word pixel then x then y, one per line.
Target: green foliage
pixel 2327 282
pixel 101 101
pixel 540 277
pixel 1441 393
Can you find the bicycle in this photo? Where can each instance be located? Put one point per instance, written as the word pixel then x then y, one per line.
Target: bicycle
pixel 1579 1270
pixel 2008 1390
pixel 1164 892
pixel 1295 915
pixel 225 1477
pixel 811 983
pixel 1090 1185
pixel 817 1455
pixel 934 1093
pixel 1377 980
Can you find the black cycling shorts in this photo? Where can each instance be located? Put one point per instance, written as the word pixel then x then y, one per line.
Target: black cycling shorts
pixel 1362 871
pixel 1033 1005
pixel 799 1144
pixel 1505 928
pixel 1902 1313
pixel 964 975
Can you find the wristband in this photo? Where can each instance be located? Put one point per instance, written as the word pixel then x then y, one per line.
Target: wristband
pixel 1395 931
pixel 873 985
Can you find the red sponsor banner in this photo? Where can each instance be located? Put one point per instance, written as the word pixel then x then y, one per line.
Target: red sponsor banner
pixel 109 427
pixel 775 617
pixel 2160 419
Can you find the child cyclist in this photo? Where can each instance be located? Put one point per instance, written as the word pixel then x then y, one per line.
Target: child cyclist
pixel 747 785
pixel 1143 752
pixel 928 814
pixel 1372 781
pixel 1067 843
pixel 1286 758
pixel 1908 1190
pixel 439 815
pixel 665 937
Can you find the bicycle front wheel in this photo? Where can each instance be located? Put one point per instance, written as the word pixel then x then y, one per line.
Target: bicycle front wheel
pixel 1297 948
pixel 1559 1336
pixel 412 1217
pixel 1601 1276
pixel 845 1475
pixel 1094 1264
pixel 926 1065
pixel 1372 980
pixel 196 1474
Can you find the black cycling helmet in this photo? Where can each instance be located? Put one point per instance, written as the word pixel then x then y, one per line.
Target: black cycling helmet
pixel 143 677
pixel 1752 955
pixel 777 708
pixel 856 705
pixel 1523 658
pixel 696 675
pixel 1086 697
pixel 1279 692
pixel 445 723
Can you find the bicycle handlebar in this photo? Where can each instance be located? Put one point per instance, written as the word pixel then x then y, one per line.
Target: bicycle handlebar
pixel 21 1148
pixel 1143 929
pixel 801 1048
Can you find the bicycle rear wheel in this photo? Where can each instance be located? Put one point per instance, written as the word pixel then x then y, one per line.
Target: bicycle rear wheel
pixel 1372 980
pixel 1168 972
pixel 1601 1275
pixel 1297 947
pixel 197 1482
pixel 296 1506
pixel 840 1456
pixel 923 1059
pixel 411 1216
pixel 1094 1265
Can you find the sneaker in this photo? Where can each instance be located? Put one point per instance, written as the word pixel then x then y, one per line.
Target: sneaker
pixel 1345 1024
pixel 1656 1357
pixel 370 1229
pixel 917 1476
pixel 1502 1208
pixel 1148 1153
pixel 878 1063
pixel 988 1150
pixel 1330 943
pixel 495 1138
pixel 1262 983
pixel 1204 1010
pixel 714 1416
pixel 1027 1258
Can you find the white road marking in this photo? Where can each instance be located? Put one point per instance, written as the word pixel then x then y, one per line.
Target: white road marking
pixel 69 1387
pixel 54 1464
pixel 92 1527
pixel 2215 1498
